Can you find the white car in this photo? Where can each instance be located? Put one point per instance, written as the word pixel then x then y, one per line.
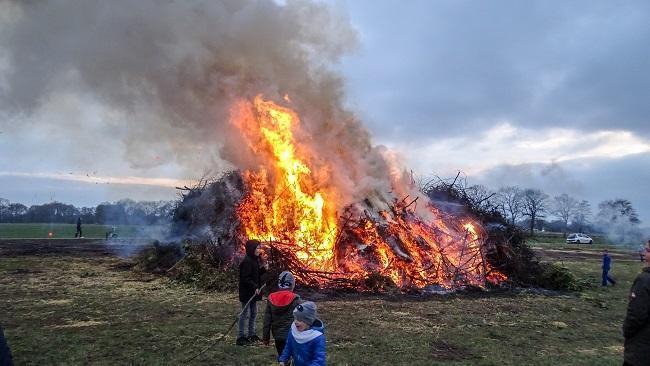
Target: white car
pixel 579 238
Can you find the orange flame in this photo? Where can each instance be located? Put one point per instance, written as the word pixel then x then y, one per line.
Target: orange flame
pixel 284 205
pixel 287 202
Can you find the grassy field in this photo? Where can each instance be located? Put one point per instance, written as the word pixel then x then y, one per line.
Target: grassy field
pixel 63 309
pixel 553 238
pixel 12 231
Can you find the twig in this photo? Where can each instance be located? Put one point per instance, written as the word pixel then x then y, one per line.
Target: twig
pixel 175 264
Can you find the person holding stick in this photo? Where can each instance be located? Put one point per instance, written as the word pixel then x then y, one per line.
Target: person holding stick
pixel 250 275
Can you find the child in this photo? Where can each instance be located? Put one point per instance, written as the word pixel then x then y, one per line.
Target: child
pixel 250 274
pixel 306 340
pixel 278 314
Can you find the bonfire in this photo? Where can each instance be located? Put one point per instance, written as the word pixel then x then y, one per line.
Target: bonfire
pixel 293 203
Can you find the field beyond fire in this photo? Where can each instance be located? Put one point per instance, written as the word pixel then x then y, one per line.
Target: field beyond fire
pixel 74 302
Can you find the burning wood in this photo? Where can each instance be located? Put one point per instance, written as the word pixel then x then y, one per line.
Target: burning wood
pixel 293 202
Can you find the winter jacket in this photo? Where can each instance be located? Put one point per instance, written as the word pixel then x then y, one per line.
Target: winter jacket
pixel 5 353
pixel 607 263
pixel 305 348
pixel 249 274
pixel 636 328
pixel 278 315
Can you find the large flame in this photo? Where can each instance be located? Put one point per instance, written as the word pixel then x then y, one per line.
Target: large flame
pixel 288 202
pixel 286 205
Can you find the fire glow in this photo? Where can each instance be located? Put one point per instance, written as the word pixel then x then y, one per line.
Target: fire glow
pixel 291 203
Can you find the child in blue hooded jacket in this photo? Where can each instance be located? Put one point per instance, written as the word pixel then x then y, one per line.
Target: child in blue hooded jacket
pixel 306 340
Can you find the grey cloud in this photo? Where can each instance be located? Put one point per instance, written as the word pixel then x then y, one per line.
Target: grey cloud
pixel 443 68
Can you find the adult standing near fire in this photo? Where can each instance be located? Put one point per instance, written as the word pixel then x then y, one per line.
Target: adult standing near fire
pixel 250 279
pixel 636 328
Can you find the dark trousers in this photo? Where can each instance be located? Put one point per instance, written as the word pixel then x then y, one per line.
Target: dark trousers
pixel 279 346
pixel 78 233
pixel 606 278
pixel 5 353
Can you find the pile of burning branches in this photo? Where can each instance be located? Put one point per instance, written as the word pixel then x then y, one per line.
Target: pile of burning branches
pixel 361 229
pixel 372 251
pixel 207 218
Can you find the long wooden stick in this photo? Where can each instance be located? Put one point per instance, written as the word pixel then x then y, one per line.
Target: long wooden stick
pixel 230 327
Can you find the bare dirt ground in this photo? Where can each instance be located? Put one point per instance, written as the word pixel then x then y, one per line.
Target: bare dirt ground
pixel 70 247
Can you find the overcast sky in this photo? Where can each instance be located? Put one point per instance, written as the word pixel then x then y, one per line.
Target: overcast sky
pixel 544 94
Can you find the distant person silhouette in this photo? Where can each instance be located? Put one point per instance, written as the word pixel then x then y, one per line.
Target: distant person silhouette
pixel 607 266
pixel 78 234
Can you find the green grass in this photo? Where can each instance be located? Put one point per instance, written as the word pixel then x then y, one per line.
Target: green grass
pixel 73 310
pixel 13 231
pixel 552 238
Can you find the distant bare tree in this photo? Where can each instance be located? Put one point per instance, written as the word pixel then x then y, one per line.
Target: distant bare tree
pixel 619 210
pixel 564 207
pixel 582 215
pixel 534 205
pixel 619 219
pixel 510 202
pixel 480 197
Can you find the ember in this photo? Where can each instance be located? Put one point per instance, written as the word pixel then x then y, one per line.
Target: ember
pixel 291 203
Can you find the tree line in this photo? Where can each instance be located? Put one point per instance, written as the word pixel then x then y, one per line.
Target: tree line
pixel 122 212
pixel 526 207
pixel 533 209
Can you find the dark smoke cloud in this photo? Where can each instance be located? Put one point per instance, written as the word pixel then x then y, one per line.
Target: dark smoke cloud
pixel 164 73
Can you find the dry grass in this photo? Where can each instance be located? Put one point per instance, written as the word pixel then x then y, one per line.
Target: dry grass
pixel 91 310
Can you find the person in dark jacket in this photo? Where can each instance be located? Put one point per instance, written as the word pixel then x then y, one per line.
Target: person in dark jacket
pixel 78 233
pixel 306 340
pixel 5 353
pixel 607 265
pixel 636 327
pixel 250 273
pixel 278 315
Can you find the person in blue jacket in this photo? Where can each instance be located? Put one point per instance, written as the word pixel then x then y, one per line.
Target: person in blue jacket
pixel 607 265
pixel 306 340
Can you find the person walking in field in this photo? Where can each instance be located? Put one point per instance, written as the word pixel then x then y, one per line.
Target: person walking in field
pixel 278 315
pixel 78 234
pixel 306 340
pixel 607 265
pixel 636 327
pixel 250 278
